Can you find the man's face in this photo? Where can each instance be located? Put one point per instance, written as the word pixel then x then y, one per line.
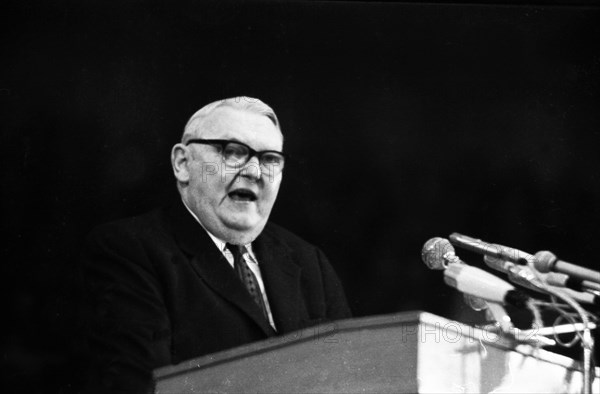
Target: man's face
pixel 232 203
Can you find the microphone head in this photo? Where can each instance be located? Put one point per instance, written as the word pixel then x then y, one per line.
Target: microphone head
pixel 544 261
pixel 433 253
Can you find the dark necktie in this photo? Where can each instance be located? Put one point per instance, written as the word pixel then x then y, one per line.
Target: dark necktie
pixel 246 275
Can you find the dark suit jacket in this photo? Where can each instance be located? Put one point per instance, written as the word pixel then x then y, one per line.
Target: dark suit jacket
pixel 161 292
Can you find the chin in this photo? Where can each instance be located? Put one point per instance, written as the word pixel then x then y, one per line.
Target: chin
pixel 243 222
pixel 243 230
pixel 242 238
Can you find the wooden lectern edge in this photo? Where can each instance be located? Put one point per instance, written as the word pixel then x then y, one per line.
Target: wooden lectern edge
pixel 303 335
pixel 323 330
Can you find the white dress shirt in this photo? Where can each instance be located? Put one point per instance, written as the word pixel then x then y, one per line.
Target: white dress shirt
pixel 250 260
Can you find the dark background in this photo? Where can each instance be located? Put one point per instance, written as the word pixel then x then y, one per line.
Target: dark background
pixel 405 121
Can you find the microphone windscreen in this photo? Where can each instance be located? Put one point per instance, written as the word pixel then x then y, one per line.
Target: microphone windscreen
pixel 433 253
pixel 544 261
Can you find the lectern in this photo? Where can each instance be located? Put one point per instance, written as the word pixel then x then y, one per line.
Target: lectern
pixel 401 353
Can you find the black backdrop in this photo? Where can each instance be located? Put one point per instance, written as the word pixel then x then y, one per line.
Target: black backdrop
pixel 405 121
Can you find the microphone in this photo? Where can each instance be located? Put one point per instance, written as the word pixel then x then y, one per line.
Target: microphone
pixel 521 275
pixel 526 277
pixel 438 254
pixel 482 284
pixel 493 250
pixel 502 258
pixel 564 280
pixel 547 261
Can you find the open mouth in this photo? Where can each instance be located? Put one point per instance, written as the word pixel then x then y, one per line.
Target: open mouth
pixel 242 195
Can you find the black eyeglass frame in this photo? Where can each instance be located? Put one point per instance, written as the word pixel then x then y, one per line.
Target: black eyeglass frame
pixel 223 143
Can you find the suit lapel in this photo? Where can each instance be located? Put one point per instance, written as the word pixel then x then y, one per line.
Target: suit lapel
pixel 282 281
pixel 210 264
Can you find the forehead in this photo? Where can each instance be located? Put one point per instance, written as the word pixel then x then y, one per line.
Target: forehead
pixel 252 128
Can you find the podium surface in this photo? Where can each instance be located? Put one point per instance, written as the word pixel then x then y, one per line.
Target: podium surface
pixel 399 353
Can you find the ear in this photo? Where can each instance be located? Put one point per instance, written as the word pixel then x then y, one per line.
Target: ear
pixel 180 160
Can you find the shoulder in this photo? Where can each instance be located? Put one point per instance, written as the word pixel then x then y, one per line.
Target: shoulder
pixel 142 228
pixel 129 250
pixel 301 252
pixel 283 236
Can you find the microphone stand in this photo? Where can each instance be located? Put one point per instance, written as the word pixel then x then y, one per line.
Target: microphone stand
pixel 587 341
pixel 532 278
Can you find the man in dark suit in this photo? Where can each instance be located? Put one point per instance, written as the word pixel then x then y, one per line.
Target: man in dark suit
pixel 208 273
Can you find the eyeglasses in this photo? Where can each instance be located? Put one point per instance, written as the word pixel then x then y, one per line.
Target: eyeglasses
pixel 237 154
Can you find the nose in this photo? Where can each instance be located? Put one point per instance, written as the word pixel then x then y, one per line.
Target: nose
pixel 251 169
